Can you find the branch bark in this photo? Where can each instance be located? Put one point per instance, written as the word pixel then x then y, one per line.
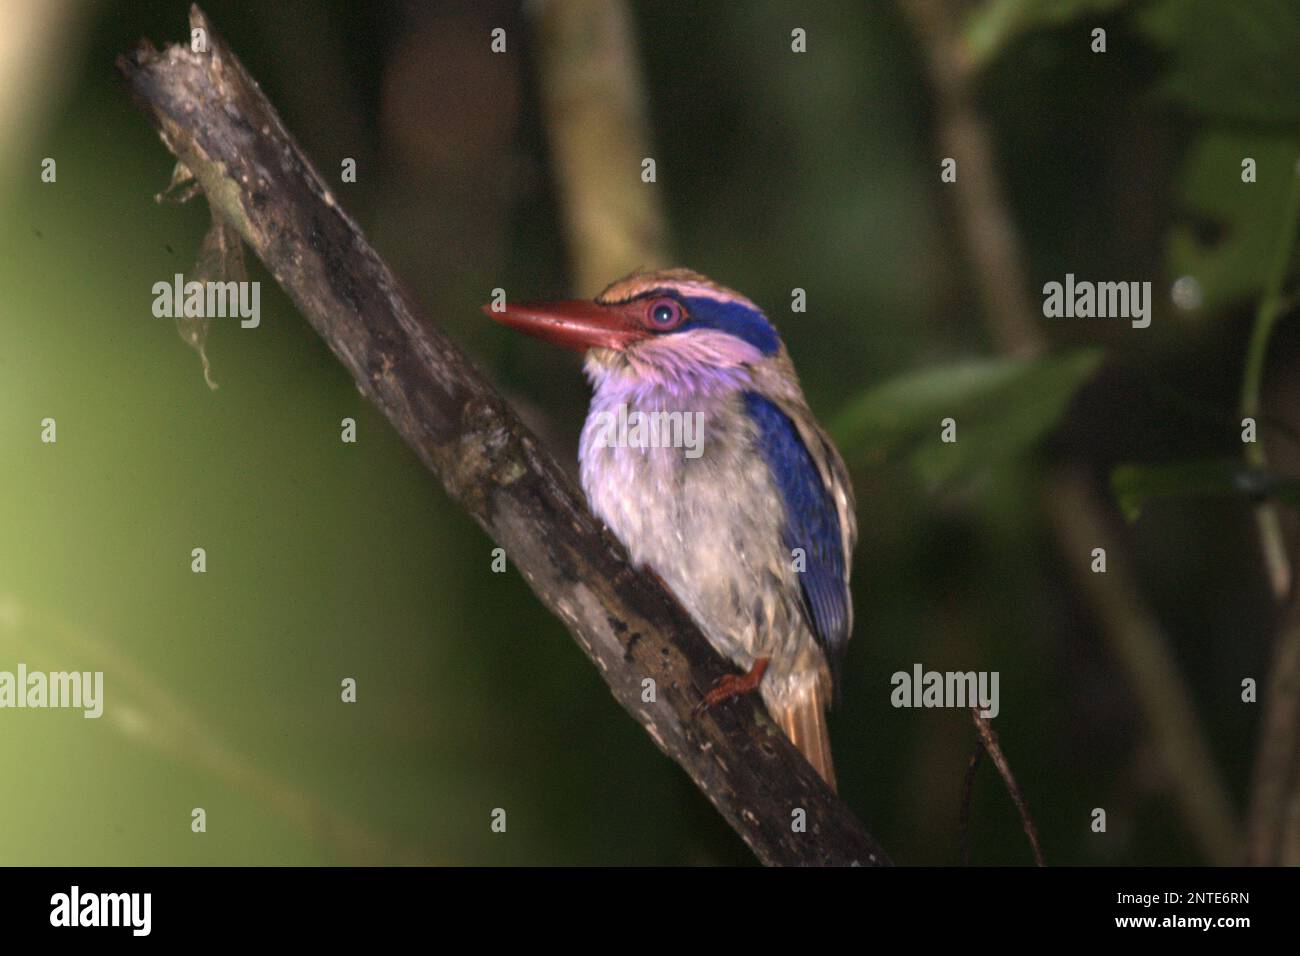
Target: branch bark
pixel 211 114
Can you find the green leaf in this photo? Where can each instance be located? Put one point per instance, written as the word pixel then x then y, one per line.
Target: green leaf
pixel 1238 61
pixel 1002 409
pixel 1137 485
pixel 1226 237
pixel 995 23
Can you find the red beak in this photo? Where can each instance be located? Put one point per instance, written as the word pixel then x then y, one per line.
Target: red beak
pixel 576 324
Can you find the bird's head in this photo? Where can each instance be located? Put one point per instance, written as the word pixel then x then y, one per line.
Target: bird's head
pixel 673 329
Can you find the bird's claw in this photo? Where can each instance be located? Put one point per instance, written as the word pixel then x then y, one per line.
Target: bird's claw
pixel 732 685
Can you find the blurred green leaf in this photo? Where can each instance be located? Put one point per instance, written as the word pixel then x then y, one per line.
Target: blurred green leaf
pixel 1227 235
pixel 1137 485
pixel 1237 61
pixel 995 23
pixel 1002 408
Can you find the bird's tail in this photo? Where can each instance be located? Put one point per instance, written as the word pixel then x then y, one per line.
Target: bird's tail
pixel 798 705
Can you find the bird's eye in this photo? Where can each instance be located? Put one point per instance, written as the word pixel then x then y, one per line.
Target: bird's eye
pixel 665 313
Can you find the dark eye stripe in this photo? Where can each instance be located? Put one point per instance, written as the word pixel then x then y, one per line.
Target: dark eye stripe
pixel 736 319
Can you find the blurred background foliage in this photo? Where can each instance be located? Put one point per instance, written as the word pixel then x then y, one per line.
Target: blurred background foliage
pixel 817 171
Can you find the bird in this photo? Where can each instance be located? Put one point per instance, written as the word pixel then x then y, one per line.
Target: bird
pixel 751 525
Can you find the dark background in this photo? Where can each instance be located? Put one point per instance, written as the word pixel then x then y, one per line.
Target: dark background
pixel 777 170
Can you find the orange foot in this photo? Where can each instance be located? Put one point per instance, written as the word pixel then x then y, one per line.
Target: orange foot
pixel 733 685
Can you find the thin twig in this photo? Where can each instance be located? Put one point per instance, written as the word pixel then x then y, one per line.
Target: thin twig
pixel 1270 309
pixel 991 242
pixel 213 116
pixel 989 740
pixel 1275 779
pixel 1144 655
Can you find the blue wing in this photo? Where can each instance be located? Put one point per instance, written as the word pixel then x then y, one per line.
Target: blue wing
pixel 812 523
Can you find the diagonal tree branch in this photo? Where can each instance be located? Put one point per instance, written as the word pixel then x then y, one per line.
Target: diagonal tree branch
pixel 211 114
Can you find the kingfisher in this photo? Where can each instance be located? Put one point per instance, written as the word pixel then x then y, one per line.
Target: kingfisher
pixel 753 526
